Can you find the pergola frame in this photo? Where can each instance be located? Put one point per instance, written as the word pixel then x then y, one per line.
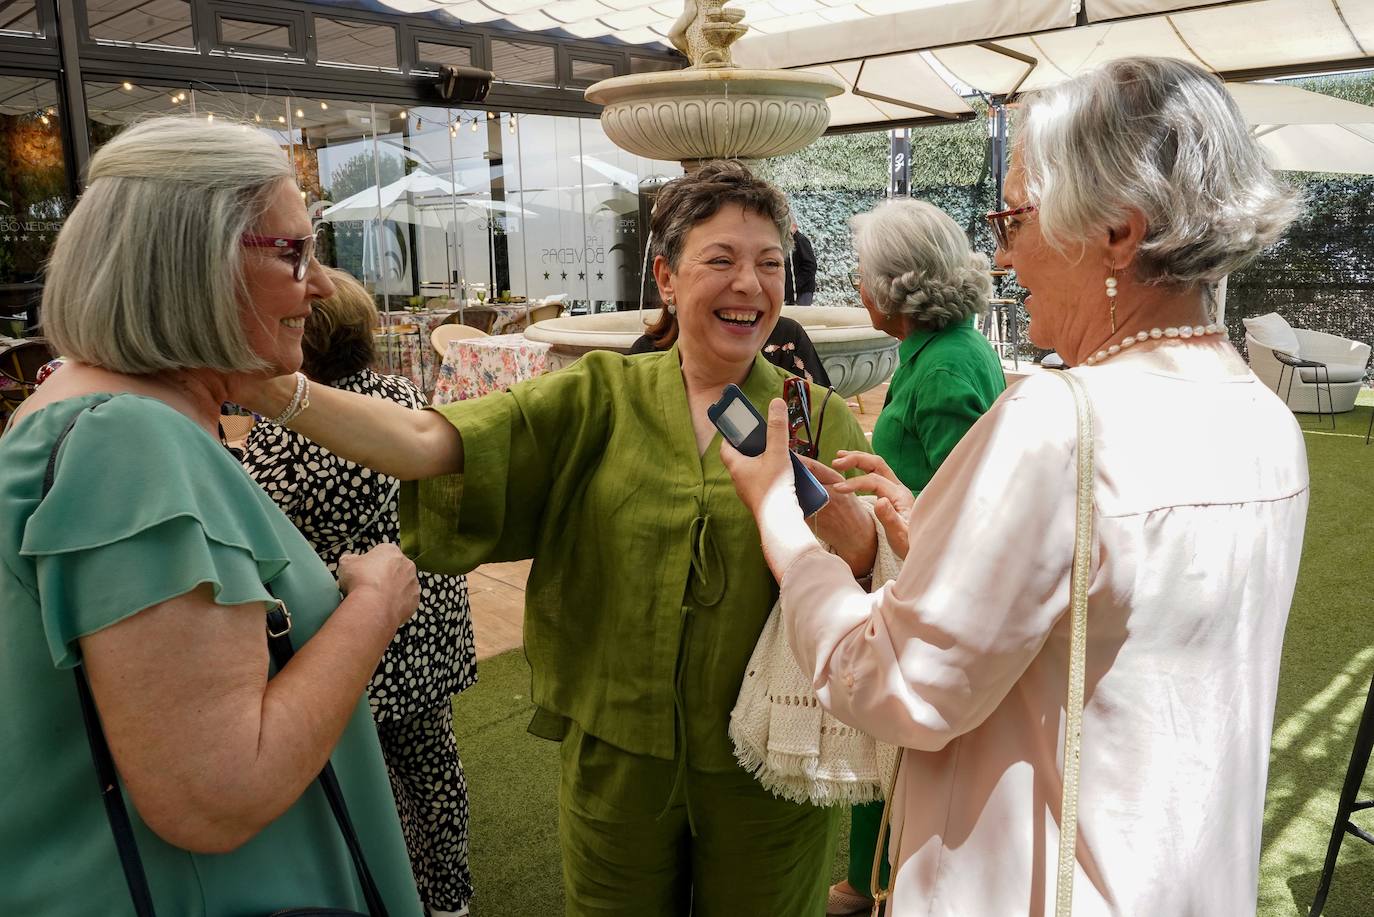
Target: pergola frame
pixel 66 54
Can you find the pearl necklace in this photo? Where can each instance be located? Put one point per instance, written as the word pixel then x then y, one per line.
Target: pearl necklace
pixel 1140 337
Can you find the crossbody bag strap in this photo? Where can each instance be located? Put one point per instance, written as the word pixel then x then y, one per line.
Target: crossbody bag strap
pixel 279 644
pixel 1078 639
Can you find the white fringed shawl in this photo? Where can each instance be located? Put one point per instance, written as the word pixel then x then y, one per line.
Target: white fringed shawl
pixel 783 737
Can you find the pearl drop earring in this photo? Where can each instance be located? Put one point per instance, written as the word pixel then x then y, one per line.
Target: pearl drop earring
pixel 1111 299
pixel 672 306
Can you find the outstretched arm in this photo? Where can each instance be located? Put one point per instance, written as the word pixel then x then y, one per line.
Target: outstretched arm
pixel 379 434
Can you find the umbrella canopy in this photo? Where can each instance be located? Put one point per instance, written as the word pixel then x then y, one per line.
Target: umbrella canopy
pixel 1307 131
pixel 366 204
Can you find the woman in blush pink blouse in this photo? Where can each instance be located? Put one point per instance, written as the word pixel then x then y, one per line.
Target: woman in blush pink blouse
pixel 1132 190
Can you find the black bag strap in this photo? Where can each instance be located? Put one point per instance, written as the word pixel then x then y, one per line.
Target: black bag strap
pixel 279 644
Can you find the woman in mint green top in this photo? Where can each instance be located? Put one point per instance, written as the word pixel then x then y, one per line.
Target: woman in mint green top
pixel 648 589
pixel 149 561
pixel 922 284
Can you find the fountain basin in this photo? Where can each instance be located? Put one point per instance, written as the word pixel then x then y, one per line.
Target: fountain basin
pixel 855 356
pixel 708 114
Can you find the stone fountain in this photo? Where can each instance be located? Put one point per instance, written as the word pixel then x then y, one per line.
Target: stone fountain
pixel 715 110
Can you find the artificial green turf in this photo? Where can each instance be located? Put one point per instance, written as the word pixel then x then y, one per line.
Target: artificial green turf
pixel 1328 660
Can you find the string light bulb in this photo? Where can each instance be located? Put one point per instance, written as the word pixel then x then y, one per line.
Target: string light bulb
pixel 474 125
pixel 299 113
pixel 324 106
pixel 281 119
pixel 44 118
pixel 512 124
pixel 128 87
pixel 490 115
pixel 210 117
pixel 257 118
pixel 403 113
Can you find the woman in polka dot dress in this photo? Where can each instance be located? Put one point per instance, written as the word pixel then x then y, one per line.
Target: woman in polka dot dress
pixel 341 508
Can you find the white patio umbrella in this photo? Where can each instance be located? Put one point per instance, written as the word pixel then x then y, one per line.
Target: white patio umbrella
pixel 395 201
pixel 1308 131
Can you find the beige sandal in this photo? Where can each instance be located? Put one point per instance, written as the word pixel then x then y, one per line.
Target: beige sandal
pixel 841 902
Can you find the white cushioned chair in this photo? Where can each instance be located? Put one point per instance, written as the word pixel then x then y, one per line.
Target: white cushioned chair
pixel 1345 360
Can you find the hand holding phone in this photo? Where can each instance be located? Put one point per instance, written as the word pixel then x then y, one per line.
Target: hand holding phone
pixel 740 423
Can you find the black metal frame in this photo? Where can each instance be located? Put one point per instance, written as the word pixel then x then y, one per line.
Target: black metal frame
pixel 1291 366
pixel 1343 825
pixel 67 55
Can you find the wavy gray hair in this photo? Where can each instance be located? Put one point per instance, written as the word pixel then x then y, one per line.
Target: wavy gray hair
pixel 1163 137
pixel 147 273
pixel 915 260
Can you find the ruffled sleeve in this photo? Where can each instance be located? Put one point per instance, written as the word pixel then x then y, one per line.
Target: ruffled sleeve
pixel 144 507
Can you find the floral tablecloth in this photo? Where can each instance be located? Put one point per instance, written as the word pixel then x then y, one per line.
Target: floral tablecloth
pixel 479 366
pixel 403 347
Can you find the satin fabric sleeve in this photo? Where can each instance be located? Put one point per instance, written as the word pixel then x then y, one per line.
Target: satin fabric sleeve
pixel 930 655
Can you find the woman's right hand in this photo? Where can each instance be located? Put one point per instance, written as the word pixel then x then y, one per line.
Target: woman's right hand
pixel 389 573
pixel 894 500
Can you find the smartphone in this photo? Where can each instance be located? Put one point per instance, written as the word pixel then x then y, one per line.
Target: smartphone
pixel 747 431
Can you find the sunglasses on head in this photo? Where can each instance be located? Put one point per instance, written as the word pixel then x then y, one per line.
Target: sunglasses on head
pixel 302 250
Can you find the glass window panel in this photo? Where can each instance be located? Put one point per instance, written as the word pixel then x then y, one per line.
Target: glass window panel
pixel 33 178
pixel 19 17
pixel 111 106
pixel 651 65
pixel 433 54
pixel 258 34
pixel 523 62
pixel 158 23
pixel 591 71
pixel 347 43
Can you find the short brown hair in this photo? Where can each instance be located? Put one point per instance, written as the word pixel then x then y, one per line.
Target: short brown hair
pixel 695 198
pixel 338 333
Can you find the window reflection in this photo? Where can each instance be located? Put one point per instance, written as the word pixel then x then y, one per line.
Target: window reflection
pixel 34 199
pixel 428 204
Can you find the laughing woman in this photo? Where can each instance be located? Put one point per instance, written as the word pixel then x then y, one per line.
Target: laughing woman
pixel 648 589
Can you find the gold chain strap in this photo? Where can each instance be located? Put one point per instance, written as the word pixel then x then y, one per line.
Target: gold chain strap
pixel 1078 637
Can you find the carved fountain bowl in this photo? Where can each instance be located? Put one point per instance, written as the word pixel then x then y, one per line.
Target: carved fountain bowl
pixel 855 356
pixel 709 114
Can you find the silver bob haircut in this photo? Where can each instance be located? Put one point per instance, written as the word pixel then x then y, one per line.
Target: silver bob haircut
pixel 915 260
pixel 147 273
pixel 1163 137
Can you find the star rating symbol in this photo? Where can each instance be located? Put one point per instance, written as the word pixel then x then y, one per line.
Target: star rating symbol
pixel 546 275
pixel 581 275
pixel 5 238
pixel 564 275
pixel 24 237
pixel 600 276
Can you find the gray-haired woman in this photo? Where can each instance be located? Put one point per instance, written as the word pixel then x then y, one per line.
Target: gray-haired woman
pixel 1131 190
pixel 922 284
pixel 152 558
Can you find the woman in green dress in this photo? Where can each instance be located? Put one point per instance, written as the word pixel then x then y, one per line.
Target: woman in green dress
pixel 648 588
pixel 152 559
pixel 922 284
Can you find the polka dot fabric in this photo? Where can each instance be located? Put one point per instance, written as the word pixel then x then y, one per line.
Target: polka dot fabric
pixel 342 507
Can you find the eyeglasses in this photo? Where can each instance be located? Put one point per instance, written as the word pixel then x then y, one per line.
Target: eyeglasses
pixel 302 250
pixel 1004 228
pixel 798 397
pixel 854 279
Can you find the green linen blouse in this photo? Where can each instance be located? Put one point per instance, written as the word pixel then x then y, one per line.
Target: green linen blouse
pixel 648 589
pixel 945 380
pixel 146 506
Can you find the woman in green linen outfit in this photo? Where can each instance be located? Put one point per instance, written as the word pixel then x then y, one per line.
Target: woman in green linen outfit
pixel 148 562
pixel 648 589
pixel 922 284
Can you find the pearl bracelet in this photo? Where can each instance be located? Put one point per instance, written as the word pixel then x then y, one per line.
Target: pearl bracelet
pixel 299 402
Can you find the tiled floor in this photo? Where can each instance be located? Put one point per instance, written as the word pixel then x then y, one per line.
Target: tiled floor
pixel 497 591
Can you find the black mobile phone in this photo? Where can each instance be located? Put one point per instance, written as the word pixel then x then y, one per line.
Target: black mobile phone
pixel 747 431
